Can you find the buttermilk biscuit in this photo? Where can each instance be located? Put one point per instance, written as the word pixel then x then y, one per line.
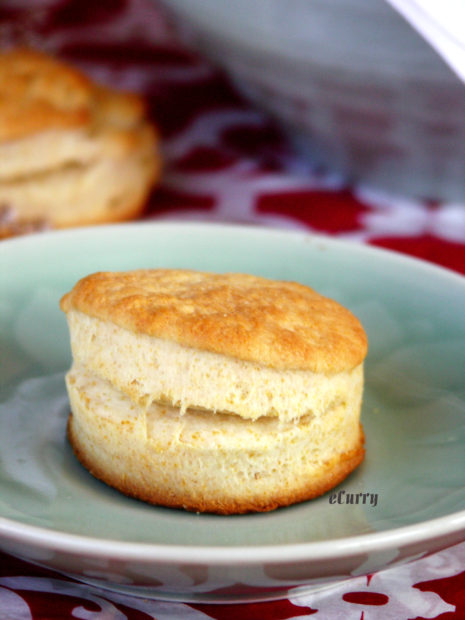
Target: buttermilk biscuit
pixel 72 152
pixel 223 393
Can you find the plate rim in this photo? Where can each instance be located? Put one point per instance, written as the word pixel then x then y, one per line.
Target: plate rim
pixel 242 555
pixel 351 244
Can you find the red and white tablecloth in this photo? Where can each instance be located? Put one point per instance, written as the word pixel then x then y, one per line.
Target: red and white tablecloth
pixel 225 161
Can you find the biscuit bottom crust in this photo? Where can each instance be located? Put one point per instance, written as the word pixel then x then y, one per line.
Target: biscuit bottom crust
pixel 207 462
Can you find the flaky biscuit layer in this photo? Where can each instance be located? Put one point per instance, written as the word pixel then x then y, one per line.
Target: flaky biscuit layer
pixel 150 369
pixel 208 462
pixel 105 190
pixel 115 128
pixel 282 325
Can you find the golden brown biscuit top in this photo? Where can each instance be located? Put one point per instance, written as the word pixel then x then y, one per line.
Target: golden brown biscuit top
pixel 39 92
pixel 283 325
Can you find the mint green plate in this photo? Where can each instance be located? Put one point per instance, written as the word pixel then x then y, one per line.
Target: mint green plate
pixel 410 489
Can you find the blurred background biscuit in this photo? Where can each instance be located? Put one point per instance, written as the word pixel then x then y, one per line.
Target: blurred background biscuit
pixel 72 152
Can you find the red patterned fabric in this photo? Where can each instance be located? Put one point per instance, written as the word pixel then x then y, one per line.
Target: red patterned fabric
pixel 227 162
